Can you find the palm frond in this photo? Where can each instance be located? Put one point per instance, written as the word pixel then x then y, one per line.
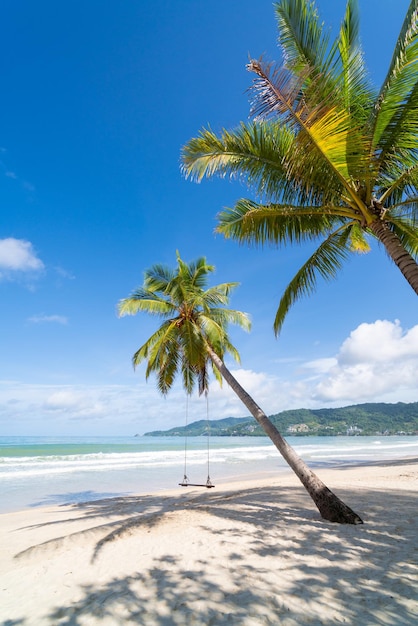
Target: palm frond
pixel 216 321
pixel 358 241
pixel 217 374
pixel 326 137
pixel 406 230
pixel 200 272
pixel 249 222
pixel 188 377
pixel 193 274
pixel 157 278
pixel 252 152
pixel 217 338
pixel 407 210
pixel 324 262
pixel 214 332
pixel 399 180
pixel 191 343
pixel 145 300
pixel 337 67
pixel 301 35
pixel 203 380
pixel 394 120
pixel 218 295
pixel 277 92
pixel 232 351
pixel 406 38
pixel 351 76
pixel 231 316
pixel 397 145
pixel 168 365
pixel 326 148
pixel 151 348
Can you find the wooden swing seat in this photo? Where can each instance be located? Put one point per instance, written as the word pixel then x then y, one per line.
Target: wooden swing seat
pixel 208 485
pixel 185 482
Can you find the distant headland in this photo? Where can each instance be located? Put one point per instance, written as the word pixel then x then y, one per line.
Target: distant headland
pixel 355 420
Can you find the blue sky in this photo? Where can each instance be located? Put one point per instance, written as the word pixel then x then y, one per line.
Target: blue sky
pixel 97 100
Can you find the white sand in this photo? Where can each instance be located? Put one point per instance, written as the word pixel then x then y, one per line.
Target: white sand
pixel 245 554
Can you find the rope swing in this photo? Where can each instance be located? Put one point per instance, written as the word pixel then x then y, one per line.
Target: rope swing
pixel 185 482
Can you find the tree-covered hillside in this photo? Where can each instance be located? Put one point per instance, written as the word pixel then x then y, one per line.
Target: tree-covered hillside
pixel 360 419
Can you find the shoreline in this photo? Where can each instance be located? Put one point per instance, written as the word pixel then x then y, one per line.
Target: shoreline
pixel 55 474
pixel 252 553
pixel 282 473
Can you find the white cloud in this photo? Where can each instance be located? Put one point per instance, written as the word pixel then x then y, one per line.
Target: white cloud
pixel 256 383
pixel 64 399
pixel 88 409
pixel 114 409
pixel 76 403
pixel 64 273
pixel 378 360
pixel 320 366
pixel 18 255
pixel 28 186
pixel 56 319
pixel 270 392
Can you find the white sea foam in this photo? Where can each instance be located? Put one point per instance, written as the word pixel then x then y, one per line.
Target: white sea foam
pixel 91 469
pixel 17 467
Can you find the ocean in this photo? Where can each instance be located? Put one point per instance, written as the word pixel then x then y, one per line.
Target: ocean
pixel 40 471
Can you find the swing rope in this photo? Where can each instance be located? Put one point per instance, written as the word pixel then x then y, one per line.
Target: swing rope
pixel 208 481
pixel 185 479
pixel 185 482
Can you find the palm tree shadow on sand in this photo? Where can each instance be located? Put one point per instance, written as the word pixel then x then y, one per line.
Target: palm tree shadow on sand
pixel 74 497
pixel 364 566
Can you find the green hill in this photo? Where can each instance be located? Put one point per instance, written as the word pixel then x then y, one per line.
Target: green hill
pixel 223 427
pixel 360 419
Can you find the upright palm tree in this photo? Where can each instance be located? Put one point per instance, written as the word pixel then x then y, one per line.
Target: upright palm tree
pixel 193 334
pixel 329 158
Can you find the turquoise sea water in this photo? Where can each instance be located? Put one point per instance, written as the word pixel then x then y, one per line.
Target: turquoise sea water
pixel 37 471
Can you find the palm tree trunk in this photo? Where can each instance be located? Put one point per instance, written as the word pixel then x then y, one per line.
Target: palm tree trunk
pixel 329 505
pixel 393 245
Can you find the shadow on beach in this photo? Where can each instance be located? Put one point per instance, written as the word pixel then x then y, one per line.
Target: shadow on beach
pixel 346 465
pixel 259 546
pixel 74 497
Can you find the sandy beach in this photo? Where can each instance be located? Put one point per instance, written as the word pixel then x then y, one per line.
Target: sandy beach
pixel 252 553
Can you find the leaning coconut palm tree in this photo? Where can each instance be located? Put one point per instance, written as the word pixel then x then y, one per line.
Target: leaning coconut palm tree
pixel 330 158
pixel 193 335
